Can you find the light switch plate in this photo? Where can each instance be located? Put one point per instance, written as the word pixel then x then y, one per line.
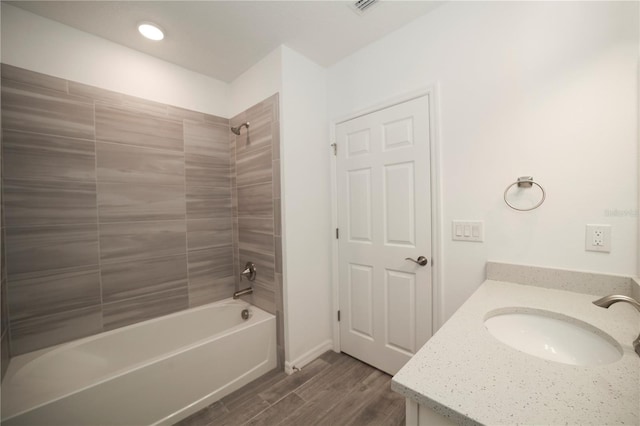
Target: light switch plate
pixel 467 230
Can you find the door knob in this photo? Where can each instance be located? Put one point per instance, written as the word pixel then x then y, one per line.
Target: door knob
pixel 422 261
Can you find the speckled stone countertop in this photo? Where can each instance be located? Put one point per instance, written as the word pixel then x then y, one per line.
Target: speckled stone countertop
pixel 467 375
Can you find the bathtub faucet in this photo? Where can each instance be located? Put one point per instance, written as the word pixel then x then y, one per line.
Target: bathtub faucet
pixel 607 301
pixel 242 292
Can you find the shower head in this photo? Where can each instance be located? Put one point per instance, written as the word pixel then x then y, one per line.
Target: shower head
pixel 236 130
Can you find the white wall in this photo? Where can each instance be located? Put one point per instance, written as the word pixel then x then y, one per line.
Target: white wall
pixel 42 45
pixel 526 88
pixel 306 210
pixel 257 83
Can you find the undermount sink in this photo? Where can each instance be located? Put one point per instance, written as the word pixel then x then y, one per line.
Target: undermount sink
pixel 554 337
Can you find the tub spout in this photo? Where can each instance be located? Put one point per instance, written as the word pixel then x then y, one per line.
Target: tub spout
pixel 242 292
pixel 607 301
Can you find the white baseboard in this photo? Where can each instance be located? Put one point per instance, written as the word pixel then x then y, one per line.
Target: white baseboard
pixel 292 366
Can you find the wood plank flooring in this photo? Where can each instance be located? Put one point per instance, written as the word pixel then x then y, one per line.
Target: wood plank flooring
pixel 334 389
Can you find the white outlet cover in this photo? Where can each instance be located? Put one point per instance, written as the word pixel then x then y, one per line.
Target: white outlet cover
pixel 598 238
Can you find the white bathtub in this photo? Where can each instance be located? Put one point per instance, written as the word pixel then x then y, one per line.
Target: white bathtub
pixel 155 372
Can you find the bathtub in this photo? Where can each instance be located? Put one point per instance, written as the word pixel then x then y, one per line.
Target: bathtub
pixel 151 373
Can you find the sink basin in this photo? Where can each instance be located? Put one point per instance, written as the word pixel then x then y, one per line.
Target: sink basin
pixel 554 337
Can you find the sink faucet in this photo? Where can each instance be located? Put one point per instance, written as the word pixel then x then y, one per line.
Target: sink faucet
pixel 607 301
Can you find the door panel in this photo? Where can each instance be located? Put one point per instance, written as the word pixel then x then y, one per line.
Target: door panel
pixel 401 323
pixel 384 206
pixel 361 297
pixel 399 207
pixel 359 205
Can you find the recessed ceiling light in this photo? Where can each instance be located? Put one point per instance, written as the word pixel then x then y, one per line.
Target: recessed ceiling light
pixel 150 31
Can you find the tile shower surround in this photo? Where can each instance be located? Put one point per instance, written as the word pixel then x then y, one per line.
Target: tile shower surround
pixel 118 209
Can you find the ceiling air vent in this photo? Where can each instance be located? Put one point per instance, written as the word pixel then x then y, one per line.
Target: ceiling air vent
pixel 361 6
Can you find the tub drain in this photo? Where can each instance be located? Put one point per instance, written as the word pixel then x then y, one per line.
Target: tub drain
pixel 245 314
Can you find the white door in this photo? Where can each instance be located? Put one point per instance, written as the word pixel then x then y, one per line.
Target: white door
pixel 384 216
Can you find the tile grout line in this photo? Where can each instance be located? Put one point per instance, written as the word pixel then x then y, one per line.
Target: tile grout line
pixel 3 230
pixel 186 214
pixel 95 159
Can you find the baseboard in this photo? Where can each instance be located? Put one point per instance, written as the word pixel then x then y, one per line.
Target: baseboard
pixel 291 367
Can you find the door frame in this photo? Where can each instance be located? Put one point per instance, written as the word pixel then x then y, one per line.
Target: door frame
pixel 431 92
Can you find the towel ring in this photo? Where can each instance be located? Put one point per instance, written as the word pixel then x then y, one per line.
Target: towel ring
pixel 525 182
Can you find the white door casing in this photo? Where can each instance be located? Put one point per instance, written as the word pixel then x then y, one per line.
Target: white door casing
pixel 384 216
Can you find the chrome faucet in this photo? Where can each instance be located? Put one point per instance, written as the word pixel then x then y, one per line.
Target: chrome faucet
pixel 249 272
pixel 607 301
pixel 242 292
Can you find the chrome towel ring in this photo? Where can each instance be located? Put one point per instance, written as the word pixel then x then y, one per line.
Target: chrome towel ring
pixel 525 182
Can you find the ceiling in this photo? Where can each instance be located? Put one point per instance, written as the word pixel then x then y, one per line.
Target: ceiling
pixel 222 39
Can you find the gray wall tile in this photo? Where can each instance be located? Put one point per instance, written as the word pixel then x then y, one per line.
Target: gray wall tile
pixel 206 139
pixel 275 141
pixel 279 292
pixel 208 202
pixel 208 265
pixel 94 93
pixel 3 246
pixel 130 311
pixel 37 333
pixel 120 202
pixel 34 156
pixel 145 106
pixel 142 277
pixel 131 241
pixel 278 254
pixel 202 170
pixel 214 119
pixel 50 248
pixel 32 78
pixel 256 241
pixel 51 293
pixel 277 217
pixel 5 354
pixel 276 179
pixel 263 298
pixel 4 303
pixel 131 164
pixel 204 291
pixel 209 233
pixel 185 114
pixel 255 200
pixel 40 110
pixel 254 167
pixel 256 224
pixel 129 126
pixel 49 202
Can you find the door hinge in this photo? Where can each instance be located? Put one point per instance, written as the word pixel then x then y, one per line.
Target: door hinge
pixel 337 233
pixel 335 148
pixel 338 316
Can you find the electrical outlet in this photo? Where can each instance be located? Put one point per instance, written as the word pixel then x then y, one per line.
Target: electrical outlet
pixel 598 238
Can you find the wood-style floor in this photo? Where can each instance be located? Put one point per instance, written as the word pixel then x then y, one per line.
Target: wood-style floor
pixel 335 389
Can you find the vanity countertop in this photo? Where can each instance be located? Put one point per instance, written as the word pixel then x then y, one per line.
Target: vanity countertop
pixel 467 375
